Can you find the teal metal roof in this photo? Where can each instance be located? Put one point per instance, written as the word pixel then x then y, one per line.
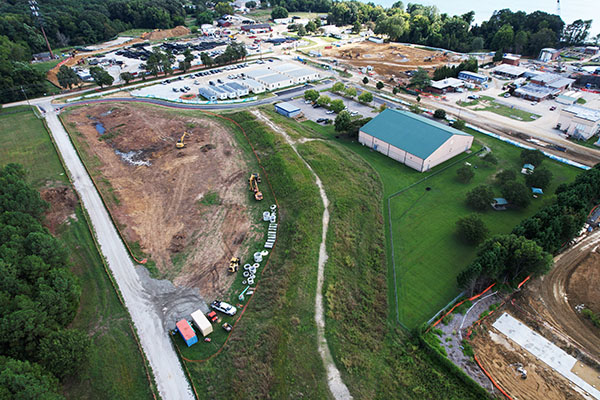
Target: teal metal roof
pixel 410 132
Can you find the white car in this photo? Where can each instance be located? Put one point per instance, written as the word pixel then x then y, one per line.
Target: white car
pixel 329 112
pixel 225 308
pixel 353 113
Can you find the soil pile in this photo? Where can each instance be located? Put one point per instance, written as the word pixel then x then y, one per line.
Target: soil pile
pixel 187 207
pixel 166 33
pixel 62 202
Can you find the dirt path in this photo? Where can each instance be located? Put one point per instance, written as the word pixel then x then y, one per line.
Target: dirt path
pixel 553 303
pixel 334 379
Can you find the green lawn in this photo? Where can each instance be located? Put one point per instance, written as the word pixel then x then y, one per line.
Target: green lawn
pixel 133 32
pixel 501 109
pixel 45 67
pixel 260 15
pixel 428 257
pixel 115 369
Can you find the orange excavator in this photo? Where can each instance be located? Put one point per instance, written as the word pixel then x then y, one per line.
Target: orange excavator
pixel 254 180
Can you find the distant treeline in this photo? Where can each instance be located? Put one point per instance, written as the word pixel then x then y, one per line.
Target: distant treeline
pixel 39 297
pixel 68 23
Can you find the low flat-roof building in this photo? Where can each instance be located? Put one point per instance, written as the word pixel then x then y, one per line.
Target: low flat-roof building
pixel 256 28
pixel 509 71
pixel 553 81
pixel 288 109
pixel 253 86
pixel 221 94
pixel 239 89
pixel 207 93
pixel 579 122
pixel 275 81
pixel 472 77
pixel 535 92
pixel 548 54
pixel 414 140
pixel 511 59
pixel 446 85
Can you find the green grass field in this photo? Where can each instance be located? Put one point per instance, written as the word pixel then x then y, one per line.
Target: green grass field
pixel 115 369
pixel 428 256
pixel 501 109
pixel 45 67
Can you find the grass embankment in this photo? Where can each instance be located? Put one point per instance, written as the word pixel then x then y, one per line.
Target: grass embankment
pixel 45 67
pixel 272 352
pixel 493 106
pixel 115 369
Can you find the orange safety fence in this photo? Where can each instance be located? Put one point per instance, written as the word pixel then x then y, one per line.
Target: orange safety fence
pixel 491 379
pixel 522 283
pixel 461 302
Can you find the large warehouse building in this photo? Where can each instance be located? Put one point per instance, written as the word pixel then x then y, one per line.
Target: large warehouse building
pixel 416 141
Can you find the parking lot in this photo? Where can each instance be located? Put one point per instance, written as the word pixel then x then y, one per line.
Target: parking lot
pixel 352 106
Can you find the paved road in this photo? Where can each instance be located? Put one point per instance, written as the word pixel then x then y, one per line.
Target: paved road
pixel 170 379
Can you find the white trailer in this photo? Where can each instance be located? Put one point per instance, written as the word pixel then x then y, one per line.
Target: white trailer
pixel 202 322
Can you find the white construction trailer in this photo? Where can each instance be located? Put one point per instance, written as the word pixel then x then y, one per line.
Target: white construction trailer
pixel 202 322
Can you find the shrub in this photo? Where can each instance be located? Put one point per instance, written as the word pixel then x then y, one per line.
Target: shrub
pixel 589 314
pixel 516 193
pixel 439 114
pixel 365 80
pixel 379 85
pixel 540 178
pixel 338 87
pixel 471 229
pixel 365 97
pixel 534 157
pixel 505 176
pixel 480 198
pixel 459 124
pixel 490 159
pixel 465 174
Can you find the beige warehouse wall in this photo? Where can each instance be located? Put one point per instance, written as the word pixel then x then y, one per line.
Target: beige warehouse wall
pixel 454 146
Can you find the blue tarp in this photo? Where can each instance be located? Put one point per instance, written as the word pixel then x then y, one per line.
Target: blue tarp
pixel 537 190
pixel 528 166
pixel 500 201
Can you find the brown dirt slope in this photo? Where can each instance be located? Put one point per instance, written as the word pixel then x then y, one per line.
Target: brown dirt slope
pixel 161 205
pixel 161 34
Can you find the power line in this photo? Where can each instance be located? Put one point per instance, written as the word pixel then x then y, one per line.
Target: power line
pixel 35 11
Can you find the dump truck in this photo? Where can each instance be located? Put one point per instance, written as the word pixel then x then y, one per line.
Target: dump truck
pixel 181 143
pixel 253 181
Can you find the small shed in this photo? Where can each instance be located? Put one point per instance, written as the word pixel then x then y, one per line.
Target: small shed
pixel 287 109
pixel 527 169
pixel 202 322
pixel 187 333
pixel 499 204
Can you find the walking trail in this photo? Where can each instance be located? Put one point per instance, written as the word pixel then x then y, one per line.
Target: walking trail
pixel 334 379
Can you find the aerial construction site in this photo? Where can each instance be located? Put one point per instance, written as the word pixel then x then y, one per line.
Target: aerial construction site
pixel 156 169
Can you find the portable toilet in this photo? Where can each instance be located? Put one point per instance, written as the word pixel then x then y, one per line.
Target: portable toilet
pixel 202 322
pixel 187 333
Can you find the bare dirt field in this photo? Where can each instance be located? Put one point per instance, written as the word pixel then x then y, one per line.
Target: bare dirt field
pixel 547 306
pixel 62 202
pixel 389 59
pixel 501 357
pixel 187 208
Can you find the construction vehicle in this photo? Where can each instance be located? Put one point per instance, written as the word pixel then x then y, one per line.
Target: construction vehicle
pixel 234 264
pixel 254 180
pixel 180 143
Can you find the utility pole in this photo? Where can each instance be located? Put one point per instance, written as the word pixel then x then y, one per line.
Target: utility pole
pixel 35 11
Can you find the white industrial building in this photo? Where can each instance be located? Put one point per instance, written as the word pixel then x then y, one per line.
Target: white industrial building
pixel 239 89
pixel 579 122
pixel 253 86
pixel 414 140
pixel 207 93
pixel 275 81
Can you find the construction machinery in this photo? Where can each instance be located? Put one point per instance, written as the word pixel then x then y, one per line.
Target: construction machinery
pixel 234 264
pixel 254 180
pixel 181 143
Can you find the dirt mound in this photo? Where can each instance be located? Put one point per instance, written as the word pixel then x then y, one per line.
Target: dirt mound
pixel 582 285
pixel 161 34
pixel 158 191
pixel 390 59
pixel 62 202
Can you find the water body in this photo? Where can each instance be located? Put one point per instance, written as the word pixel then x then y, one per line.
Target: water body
pixel 570 10
pixel 100 128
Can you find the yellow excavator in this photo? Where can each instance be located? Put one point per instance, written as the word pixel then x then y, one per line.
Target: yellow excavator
pixel 180 143
pixel 254 180
pixel 234 264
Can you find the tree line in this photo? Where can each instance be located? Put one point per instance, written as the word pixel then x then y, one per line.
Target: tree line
pixel 39 297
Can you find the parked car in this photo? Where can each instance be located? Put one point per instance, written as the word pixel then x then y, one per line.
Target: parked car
pixel 307 101
pixel 175 89
pixel 506 95
pixel 552 108
pixel 473 97
pixel 329 112
pixel 353 113
pixel 223 307
pixel 316 105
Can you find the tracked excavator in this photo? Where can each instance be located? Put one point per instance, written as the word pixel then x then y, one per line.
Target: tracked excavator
pixel 180 143
pixel 254 180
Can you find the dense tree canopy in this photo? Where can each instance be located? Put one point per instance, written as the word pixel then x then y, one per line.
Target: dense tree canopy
pixel 38 294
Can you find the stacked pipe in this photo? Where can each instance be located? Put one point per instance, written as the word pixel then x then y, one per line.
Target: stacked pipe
pixel 272 233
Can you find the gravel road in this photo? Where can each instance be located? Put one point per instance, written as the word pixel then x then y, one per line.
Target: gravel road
pixel 148 301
